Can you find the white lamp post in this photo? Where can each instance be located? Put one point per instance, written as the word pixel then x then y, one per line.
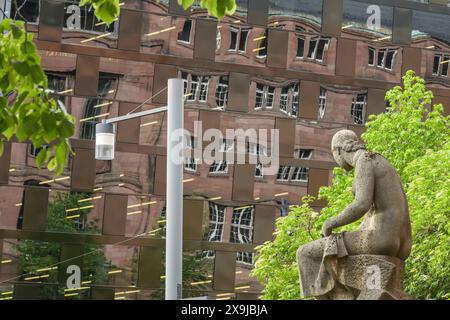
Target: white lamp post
pixel 104 150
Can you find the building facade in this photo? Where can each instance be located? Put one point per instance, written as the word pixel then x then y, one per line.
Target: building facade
pixel 286 67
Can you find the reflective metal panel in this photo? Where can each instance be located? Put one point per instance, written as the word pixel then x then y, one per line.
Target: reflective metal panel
pixel 128 131
pixel 264 225
pixel 163 73
pixel 224 270
pixel 277 48
pixel 101 293
pixel 130 30
pixel 286 129
pixel 239 86
pixel 258 11
pixel 412 60
pixel 87 75
pixel 149 268
pixel 192 219
pixel 317 179
pixel 115 214
pixel 205 39
pixel 309 102
pixel 35 206
pixel 83 170
pixel 375 101
pixel 159 186
pixel 332 17
pixel 51 20
pixel 346 57
pixel 401 32
pixel 243 182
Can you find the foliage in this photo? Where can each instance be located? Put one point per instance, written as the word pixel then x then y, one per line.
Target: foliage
pixel 105 10
pixel 415 140
pixel 108 10
pixel 35 255
pixel 428 195
pixel 216 8
pixel 26 110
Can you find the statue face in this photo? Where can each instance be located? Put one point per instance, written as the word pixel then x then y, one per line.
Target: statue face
pixel 338 155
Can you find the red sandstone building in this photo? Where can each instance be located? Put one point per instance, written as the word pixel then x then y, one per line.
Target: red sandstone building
pixel 310 84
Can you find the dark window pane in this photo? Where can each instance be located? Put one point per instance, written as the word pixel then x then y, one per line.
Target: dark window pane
pixel 300 47
pixel 371 56
pixel 233 40
pixel 444 71
pixel 312 48
pixel 380 61
pixel 185 35
pixel 243 40
pixel 389 59
pixel 437 61
pixel 321 49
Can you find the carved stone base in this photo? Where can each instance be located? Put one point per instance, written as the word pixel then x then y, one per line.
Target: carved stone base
pixel 368 277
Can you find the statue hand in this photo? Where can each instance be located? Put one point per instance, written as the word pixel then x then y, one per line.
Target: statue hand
pixel 327 228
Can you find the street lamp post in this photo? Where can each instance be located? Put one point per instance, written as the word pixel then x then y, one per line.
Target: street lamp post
pixel 104 150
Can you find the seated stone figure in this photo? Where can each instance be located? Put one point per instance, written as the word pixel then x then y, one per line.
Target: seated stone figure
pixel 366 263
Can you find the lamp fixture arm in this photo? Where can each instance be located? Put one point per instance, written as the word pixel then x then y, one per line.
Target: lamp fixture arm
pixel 136 115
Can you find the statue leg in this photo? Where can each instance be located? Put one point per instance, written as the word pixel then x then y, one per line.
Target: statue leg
pixel 309 257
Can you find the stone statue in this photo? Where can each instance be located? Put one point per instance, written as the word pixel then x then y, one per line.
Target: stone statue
pixel 367 263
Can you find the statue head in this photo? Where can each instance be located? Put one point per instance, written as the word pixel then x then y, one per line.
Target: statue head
pixel 343 145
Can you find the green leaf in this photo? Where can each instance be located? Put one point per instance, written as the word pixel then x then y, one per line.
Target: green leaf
pixel 21 67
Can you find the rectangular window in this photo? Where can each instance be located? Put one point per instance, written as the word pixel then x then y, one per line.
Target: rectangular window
pixel 203 95
pixel 219 167
pixel 300 174
pixel 185 34
pixel 283 173
pixel 226 145
pixel 269 97
pixel 436 63
pixel 295 100
pixel 259 96
pixel 389 61
pixel 194 88
pixel 284 99
pixel 190 164
pixel 215 230
pixel 300 48
pixel 234 36
pixel 222 92
pixel 358 111
pixel 243 40
pixel 446 62
pixel 242 231
pixel 317 48
pixel 261 50
pixel 371 56
pixel 380 60
pixel 322 102
pixel 305 154
pixel 259 170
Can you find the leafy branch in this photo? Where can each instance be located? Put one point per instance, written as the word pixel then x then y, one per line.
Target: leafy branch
pixel 26 110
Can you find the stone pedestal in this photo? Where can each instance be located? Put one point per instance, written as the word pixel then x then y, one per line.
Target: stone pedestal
pixel 368 277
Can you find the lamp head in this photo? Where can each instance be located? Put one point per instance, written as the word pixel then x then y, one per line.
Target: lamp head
pixel 104 141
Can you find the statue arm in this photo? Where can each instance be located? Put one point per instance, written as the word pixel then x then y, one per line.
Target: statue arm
pixel 364 190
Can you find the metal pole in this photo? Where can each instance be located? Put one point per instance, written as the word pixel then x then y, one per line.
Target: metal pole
pixel 174 191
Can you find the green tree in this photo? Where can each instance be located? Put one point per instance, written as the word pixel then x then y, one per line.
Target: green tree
pixel 108 10
pixel 36 255
pixel 412 138
pixel 26 110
